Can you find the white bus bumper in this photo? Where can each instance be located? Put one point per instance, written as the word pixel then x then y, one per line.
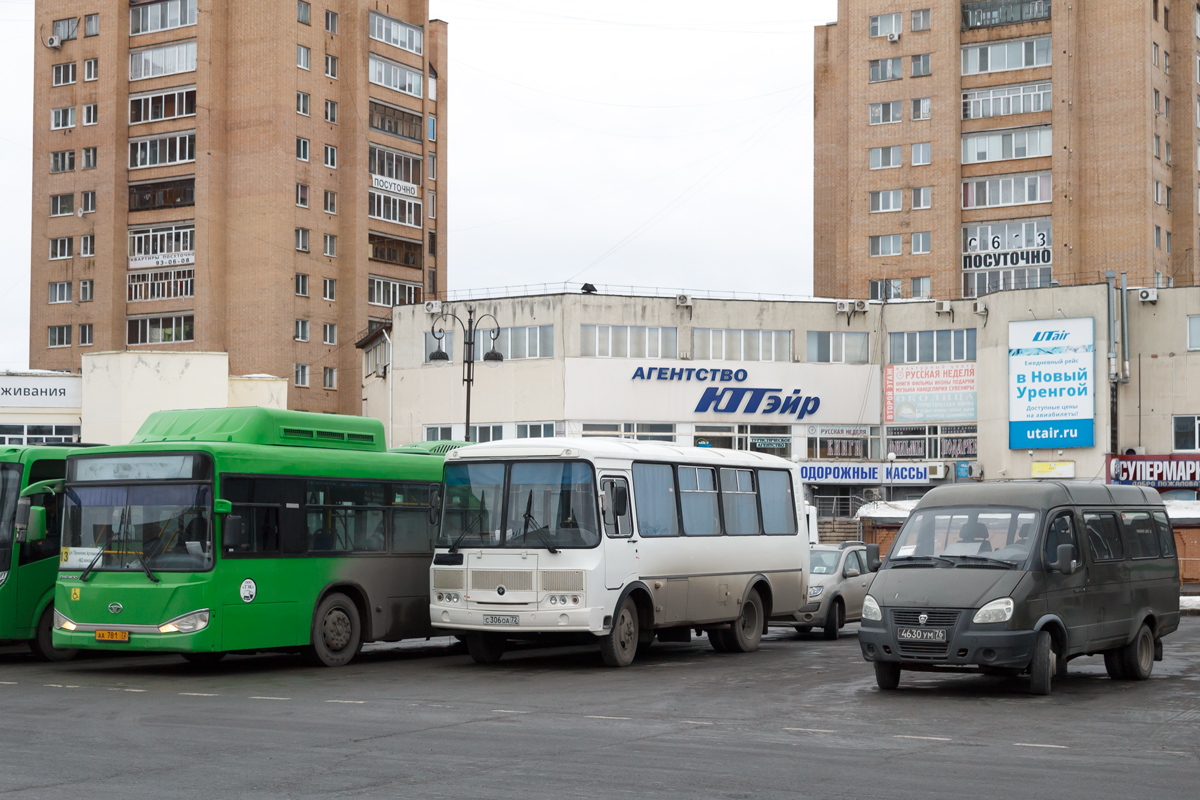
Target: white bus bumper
pixel 574 620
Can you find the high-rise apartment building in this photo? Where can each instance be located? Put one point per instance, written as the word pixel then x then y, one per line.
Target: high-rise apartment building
pixel 261 178
pixel 964 148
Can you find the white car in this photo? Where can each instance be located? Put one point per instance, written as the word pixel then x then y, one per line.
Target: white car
pixel 838 581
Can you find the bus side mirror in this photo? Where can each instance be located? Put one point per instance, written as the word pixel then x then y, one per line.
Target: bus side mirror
pixel 620 500
pixel 435 506
pixel 36 530
pixel 1066 559
pixel 233 535
pixel 873 561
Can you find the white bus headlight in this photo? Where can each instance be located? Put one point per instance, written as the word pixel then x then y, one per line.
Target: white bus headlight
pixel 815 591
pixel 996 611
pixel 188 623
pixel 871 609
pixel 62 623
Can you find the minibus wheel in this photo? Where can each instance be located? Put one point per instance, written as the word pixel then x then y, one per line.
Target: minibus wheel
pixel 1138 655
pixel 1043 667
pixel 619 646
pixel 1114 664
pixel 887 674
pixel 337 631
pixel 42 644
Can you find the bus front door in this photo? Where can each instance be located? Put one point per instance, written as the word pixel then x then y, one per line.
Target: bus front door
pixel 620 544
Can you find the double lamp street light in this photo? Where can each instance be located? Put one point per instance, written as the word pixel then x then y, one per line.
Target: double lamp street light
pixel 440 358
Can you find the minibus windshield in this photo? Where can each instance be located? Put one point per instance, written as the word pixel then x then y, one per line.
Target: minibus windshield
pixel 966 536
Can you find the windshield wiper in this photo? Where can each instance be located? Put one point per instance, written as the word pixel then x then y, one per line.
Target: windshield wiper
pixel 83 576
pixel 146 567
pixel 539 529
pixel 985 560
pixel 922 558
pixel 478 519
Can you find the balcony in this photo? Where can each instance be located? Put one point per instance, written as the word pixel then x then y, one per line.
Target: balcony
pixel 991 13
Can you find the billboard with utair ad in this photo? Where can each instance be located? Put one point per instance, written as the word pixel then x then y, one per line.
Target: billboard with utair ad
pixel 929 392
pixel 1051 384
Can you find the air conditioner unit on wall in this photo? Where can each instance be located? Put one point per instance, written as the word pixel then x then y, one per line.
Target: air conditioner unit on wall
pixel 683 300
pixel 975 470
pixel 54 42
pixel 942 306
pixel 842 307
pixel 860 306
pixel 433 306
pixel 939 471
pixel 893 37
pixel 1148 295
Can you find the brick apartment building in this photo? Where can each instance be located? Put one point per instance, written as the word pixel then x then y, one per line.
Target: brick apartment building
pixel 260 178
pixel 963 148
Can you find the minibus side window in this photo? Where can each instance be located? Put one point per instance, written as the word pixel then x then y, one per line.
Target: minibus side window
pixel 1061 531
pixel 1104 538
pixel 1166 539
pixel 1140 534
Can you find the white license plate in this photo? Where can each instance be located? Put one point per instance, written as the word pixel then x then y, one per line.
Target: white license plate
pixel 501 619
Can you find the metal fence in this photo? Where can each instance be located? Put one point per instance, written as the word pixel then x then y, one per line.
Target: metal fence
pixel 838 507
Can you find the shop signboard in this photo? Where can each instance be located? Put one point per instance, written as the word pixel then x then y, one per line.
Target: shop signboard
pixel 864 472
pixel 41 391
pixel 929 392
pixel 1051 380
pixel 1160 472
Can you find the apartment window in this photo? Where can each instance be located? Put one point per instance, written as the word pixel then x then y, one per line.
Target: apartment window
pixel 432 171
pixel 60 292
pixel 91 25
pixel 331 156
pixel 432 128
pixel 1005 101
pixel 88 155
pixel 303 102
pixel 916 347
pixel 395 165
pixel 88 202
pixel 920 65
pixel 62 205
pixel 921 286
pixel 62 161
pixel 160 330
pixel 433 243
pixel 740 345
pixel 889 200
pixel 920 108
pixel 85 335
pixel 396 33
pixel 1168 242
pixel 1007 190
pixel 150 17
pixel 302 239
pixel 486 433
pixel 302 375
pixel 836 347
pixel 331 66
pixel 331 22
pixel 432 203
pixel 393 251
pixel 157 151
pixel 886 289
pixel 431 279
pixel 303 12
pixel 1167 107
pixel 623 341
pixel 1018 243
pixel 329 292
pixel 330 245
pixel 884 24
pixel 920 154
pixel 885 157
pixel 1157 101
pixel 90 114
pixel 331 111
pixel 66 29
pixel 885 69
pixel 1154 53
pixel 61 118
pixel 91 69
pixel 394 76
pixel 329 378
pixel 1168 198
pixel 301 284
pixel 60 336
pixel 302 195
pixel 1166 62
pixel 444 343
pixel 920 20
pixel 167 59
pixel 300 333
pixel 1193 333
pixel 390 208
pixel 62 74
pixel 62 247
pixel 434 433
pixel 329 333
pixel 87 245
pixel 86 290
pixel 1006 56
pixel 432 83
pixel 303 56
pixel 162 245
pixel 1008 146
pixel 301 148
pixel 517 343
pixel 387 292
pixel 535 430
pixel 1156 146
pixel 1158 192
pixel 160 105
pixel 162 194
pixel 888 245
pixel 395 121
pixel 330 202
pixel 920 243
pixel 921 197
pixel 882 113
pixel 1168 153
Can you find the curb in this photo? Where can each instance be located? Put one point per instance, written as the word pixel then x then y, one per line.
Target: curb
pixel 1189 612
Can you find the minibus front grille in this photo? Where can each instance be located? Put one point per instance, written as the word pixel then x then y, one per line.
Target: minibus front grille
pixel 513 580
pixel 924 650
pixel 935 618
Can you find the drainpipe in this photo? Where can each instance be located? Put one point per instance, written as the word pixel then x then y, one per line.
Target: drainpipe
pixel 1125 327
pixel 388 437
pixel 1111 278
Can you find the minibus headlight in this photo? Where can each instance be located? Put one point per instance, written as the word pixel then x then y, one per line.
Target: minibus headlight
pixel 996 611
pixel 188 623
pixel 815 591
pixel 871 609
pixel 62 623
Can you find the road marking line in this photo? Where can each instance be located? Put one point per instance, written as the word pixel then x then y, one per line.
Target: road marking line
pixel 507 711
pixel 355 702
pixel 810 730
pixel 696 722
pixel 923 738
pixel 55 685
pixel 8 683
pixel 133 690
pixel 1049 746
pixel 595 716
pixel 270 698
pixel 199 694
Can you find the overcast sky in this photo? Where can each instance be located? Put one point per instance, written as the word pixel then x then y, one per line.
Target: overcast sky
pixel 654 143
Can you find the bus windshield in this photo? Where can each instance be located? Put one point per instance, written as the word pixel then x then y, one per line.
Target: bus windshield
pixel 166 525
pixel 962 533
pixel 549 504
pixel 10 490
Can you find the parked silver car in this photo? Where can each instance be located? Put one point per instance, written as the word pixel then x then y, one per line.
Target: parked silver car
pixel 837 583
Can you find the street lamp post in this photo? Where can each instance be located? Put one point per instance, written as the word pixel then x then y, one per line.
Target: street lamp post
pixel 890 468
pixel 441 358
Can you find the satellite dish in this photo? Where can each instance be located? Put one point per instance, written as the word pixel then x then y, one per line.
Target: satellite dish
pixel 79 212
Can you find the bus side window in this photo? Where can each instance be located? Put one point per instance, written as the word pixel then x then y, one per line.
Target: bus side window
pixel 411 531
pixel 615 526
pixel 740 502
pixel 778 502
pixel 269 508
pixel 1166 538
pixel 655 498
pixel 50 546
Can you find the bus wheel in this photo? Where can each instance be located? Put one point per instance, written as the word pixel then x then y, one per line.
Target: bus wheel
pixel 745 633
pixel 719 640
pixel 485 648
pixel 42 644
pixel 204 659
pixel 620 645
pixel 337 631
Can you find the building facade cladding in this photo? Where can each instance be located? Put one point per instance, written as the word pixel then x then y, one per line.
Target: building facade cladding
pixel 1110 145
pixel 236 289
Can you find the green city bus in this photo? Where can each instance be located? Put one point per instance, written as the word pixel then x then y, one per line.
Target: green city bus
pixel 244 530
pixel 30 477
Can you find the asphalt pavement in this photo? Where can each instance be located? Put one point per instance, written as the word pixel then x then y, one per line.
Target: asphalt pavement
pixel 799 718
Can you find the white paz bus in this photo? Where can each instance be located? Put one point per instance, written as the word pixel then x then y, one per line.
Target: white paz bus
pixel 624 540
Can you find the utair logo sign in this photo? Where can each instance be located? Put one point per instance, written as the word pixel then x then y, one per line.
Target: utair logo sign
pixel 1051 384
pixel 734 399
pixel 1051 336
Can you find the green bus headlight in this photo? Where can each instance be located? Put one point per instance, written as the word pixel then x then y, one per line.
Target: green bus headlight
pixel 188 623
